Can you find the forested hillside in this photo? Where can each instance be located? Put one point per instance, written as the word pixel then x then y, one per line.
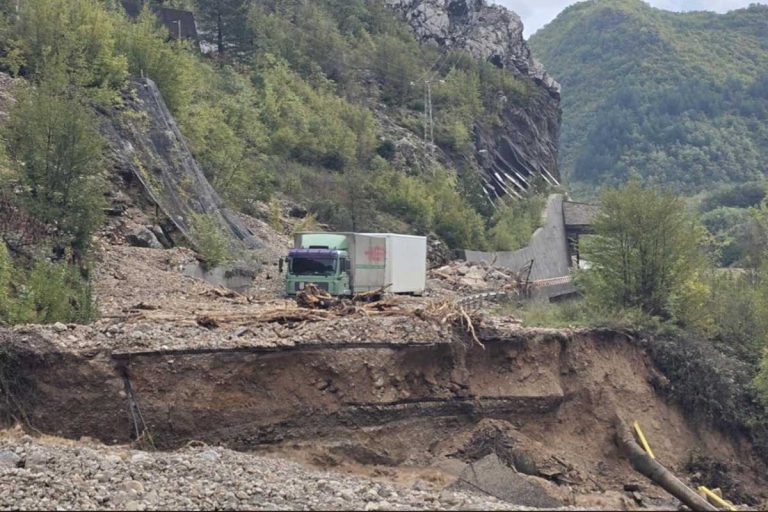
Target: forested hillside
pixel 319 101
pixel 680 99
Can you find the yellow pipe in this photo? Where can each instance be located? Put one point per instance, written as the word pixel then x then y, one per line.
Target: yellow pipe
pixel 717 499
pixel 643 441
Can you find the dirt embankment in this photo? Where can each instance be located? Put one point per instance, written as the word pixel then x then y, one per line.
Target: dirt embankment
pixel 543 401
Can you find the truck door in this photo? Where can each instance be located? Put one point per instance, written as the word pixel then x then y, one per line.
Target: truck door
pixel 369 263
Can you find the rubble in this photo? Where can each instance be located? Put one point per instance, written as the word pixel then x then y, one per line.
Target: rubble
pixel 467 278
pixel 50 473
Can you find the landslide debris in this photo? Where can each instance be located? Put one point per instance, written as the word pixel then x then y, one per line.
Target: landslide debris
pixel 50 473
pixel 148 303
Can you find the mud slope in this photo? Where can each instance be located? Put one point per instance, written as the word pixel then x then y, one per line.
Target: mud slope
pixel 550 395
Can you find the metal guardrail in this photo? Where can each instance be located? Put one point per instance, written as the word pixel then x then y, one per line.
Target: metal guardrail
pixel 478 298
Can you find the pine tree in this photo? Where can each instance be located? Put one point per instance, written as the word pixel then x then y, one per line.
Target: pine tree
pixel 226 21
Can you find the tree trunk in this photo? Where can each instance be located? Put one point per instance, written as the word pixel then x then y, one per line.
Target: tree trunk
pixel 644 464
pixel 219 33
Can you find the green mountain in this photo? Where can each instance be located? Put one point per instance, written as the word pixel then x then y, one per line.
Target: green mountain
pixel 680 99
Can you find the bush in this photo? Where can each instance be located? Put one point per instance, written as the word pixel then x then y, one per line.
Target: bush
pixel 211 243
pixel 711 386
pixel 56 292
pixel 50 292
pixel 761 381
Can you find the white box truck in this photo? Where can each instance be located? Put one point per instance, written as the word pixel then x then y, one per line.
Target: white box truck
pixel 350 263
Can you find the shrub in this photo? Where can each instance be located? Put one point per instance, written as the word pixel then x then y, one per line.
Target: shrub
pixel 73 38
pixel 52 292
pixel 761 381
pixel 210 241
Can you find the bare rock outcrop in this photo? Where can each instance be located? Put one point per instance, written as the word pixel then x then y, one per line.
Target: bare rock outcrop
pixel 489 32
pixel 525 147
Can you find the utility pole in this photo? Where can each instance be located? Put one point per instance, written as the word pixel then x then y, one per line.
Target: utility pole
pixel 429 120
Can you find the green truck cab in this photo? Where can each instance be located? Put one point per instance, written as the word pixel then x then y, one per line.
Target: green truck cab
pixel 322 260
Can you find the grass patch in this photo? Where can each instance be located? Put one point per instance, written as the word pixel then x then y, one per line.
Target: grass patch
pixel 580 313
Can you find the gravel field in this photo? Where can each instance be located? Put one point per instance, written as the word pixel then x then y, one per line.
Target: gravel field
pixel 51 473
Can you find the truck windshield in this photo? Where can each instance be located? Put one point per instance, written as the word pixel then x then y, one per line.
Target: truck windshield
pixel 304 265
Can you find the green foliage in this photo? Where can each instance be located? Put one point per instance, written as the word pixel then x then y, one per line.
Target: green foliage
pixel 210 240
pixel 711 386
pixel 75 38
pixel 223 124
pixel 515 221
pixel 678 98
pixel 48 293
pixel 226 20
pixel 646 249
pixel 55 292
pixel 143 44
pixel 741 195
pixel 761 381
pixel 431 203
pixel 309 123
pixel 6 269
pixel 55 140
pixel 456 221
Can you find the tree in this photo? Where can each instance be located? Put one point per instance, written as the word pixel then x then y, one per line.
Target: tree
pixel 55 140
pixel 73 37
pixel 646 250
pixel 226 20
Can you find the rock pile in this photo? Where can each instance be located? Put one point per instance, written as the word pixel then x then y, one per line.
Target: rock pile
pixel 464 277
pixel 55 474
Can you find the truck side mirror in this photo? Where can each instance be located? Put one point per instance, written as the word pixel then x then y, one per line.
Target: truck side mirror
pixel 280 266
pixel 347 265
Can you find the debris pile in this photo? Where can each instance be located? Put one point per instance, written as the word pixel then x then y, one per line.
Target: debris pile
pixel 465 277
pixel 50 473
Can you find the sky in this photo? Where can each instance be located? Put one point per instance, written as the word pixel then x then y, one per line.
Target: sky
pixel 538 13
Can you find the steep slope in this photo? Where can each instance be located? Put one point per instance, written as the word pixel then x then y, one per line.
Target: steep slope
pixel 149 144
pixel 525 144
pixel 680 98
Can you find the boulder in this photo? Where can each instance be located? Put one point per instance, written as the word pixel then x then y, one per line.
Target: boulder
pixel 9 459
pixel 160 235
pixel 493 477
pixel 144 237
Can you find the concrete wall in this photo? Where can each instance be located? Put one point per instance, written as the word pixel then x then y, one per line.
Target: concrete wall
pixel 548 248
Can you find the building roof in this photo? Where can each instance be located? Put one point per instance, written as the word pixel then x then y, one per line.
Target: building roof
pixel 579 214
pixel 180 24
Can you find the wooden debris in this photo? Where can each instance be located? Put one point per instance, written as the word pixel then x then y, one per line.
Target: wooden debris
pixel 143 306
pixel 313 297
pixel 372 296
pixel 207 322
pixel 222 293
pixel 445 312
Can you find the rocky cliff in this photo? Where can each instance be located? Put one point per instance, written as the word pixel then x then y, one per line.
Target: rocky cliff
pixel 526 145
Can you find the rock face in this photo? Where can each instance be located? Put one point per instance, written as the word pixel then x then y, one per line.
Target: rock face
pixel 526 145
pixel 488 32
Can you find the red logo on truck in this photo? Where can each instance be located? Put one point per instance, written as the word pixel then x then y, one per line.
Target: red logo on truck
pixel 375 253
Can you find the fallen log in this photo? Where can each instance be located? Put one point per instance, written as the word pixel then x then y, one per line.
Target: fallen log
pixel 648 467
